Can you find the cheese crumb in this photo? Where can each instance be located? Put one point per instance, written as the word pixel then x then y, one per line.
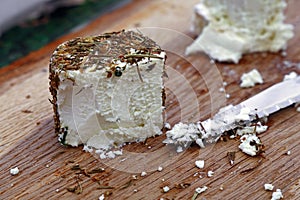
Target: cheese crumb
pixel 14 171
pixel 143 173
pixel 221 187
pixel 277 195
pixel 101 197
pixel 210 173
pixel 167 125
pixel 249 144
pixel 268 186
pixel 200 190
pixel 199 163
pixel 179 149
pixel 166 189
pixel 251 78
pixel 259 128
pixel 290 76
pixel 134 177
pixel 159 169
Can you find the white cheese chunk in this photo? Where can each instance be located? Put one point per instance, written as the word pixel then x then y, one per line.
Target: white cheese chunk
pixel 102 112
pixel 268 186
pixel 290 76
pixel 160 168
pixel 102 197
pixel 277 195
pixel 14 171
pixel 210 173
pixel 200 190
pixel 143 174
pixel 230 28
pixel 199 163
pixel 249 144
pixel 251 78
pixel 166 189
pixel 258 128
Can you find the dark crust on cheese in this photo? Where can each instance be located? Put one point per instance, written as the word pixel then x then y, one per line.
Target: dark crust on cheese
pixel 80 53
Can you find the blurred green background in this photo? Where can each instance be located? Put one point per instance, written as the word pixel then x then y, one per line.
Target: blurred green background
pixel 33 34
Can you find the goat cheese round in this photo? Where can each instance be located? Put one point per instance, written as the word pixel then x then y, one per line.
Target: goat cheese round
pixel 107 90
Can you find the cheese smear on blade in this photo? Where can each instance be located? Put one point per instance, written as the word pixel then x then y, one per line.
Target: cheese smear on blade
pixel 230 28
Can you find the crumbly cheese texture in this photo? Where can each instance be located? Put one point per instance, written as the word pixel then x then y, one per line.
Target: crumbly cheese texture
pixel 230 28
pixel 251 78
pixel 103 108
pixel 249 144
pixel 102 112
pixel 290 76
pixel 206 131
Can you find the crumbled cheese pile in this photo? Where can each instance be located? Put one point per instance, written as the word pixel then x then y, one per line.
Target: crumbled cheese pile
pixel 251 78
pixel 229 28
pixel 258 128
pixel 210 130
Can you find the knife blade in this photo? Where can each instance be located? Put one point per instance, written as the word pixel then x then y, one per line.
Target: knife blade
pixel 230 117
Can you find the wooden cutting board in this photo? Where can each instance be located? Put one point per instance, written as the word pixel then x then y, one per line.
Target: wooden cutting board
pixel 47 169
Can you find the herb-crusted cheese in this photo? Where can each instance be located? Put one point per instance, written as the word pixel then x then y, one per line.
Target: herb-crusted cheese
pixel 230 28
pixel 107 90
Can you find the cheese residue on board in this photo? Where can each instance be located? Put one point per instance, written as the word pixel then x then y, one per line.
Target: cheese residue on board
pixel 228 29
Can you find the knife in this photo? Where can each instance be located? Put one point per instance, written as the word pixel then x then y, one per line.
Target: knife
pixel 230 117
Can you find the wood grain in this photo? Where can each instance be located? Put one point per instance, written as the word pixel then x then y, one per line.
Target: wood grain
pixel 28 141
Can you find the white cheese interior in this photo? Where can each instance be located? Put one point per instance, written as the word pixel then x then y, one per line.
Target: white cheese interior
pixel 236 27
pixel 104 112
